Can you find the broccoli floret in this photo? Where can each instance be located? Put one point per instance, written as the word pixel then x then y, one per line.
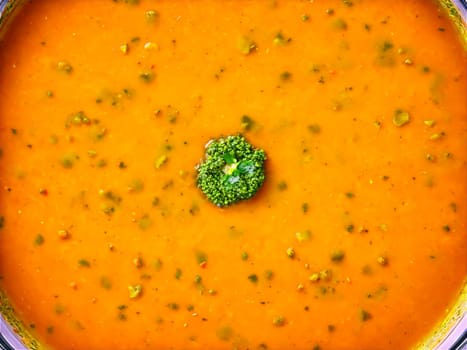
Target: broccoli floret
pixel 233 170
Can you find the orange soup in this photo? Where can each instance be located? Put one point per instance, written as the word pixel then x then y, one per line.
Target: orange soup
pixel 357 238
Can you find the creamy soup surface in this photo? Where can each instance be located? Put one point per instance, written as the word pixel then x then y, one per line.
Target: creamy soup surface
pixel 356 240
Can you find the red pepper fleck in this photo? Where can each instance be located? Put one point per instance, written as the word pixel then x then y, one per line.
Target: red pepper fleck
pixel 43 192
pixel 203 264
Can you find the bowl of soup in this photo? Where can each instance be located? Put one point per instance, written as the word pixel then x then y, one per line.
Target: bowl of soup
pixel 357 239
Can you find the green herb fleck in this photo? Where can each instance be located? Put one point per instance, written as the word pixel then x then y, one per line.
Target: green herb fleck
pixel 278 321
pixel 401 118
pixel 106 283
pixel 134 291
pixel 290 252
pixel 64 66
pixel 224 333
pixel 246 45
pixel 39 240
pixel 282 186
pixel 340 24
pixel 337 256
pixel 314 128
pixel 68 161
pixel 173 306
pixel 281 40
pixel 159 162
pixel 201 257
pixel 146 76
pixel 247 123
pixel 253 278
pixel 364 315
pixel 303 236
pixel 285 76
pixel 151 15
pixel 144 222
pixel 84 263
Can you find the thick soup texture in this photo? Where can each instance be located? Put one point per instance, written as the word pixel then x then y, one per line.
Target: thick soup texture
pixel 356 240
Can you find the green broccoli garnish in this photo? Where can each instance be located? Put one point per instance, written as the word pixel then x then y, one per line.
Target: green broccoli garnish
pixel 233 170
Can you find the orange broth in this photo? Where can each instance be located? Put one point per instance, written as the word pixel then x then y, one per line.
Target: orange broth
pixel 357 239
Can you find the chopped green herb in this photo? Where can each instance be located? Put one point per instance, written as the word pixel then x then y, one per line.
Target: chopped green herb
pixel 201 257
pixel 365 315
pixel 245 256
pixel 437 136
pixel 446 228
pixel 269 275
pixel 159 162
pixel 68 161
pixel 178 273
pixel 158 264
pixel 146 76
pixel 84 263
pixel 429 122
pixel 382 260
pixel 106 283
pixel 305 208
pixel 64 66
pixel 155 201
pixel 452 206
pixel 282 186
pixel 253 278
pixel 285 76
pixel 247 123
pixel 278 321
pixel 350 228
pixel 350 195
pixel 136 186
pixel 303 236
pixel 151 15
pixel 124 48
pixel 59 309
pixel 337 256
pixel 144 222
pixel 400 118
pixel 39 240
pixel 134 291
pixel 280 40
pixel 314 128
pixel 224 333
pixel 340 24
pixel 246 45
pixel 173 306
pixel 232 171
